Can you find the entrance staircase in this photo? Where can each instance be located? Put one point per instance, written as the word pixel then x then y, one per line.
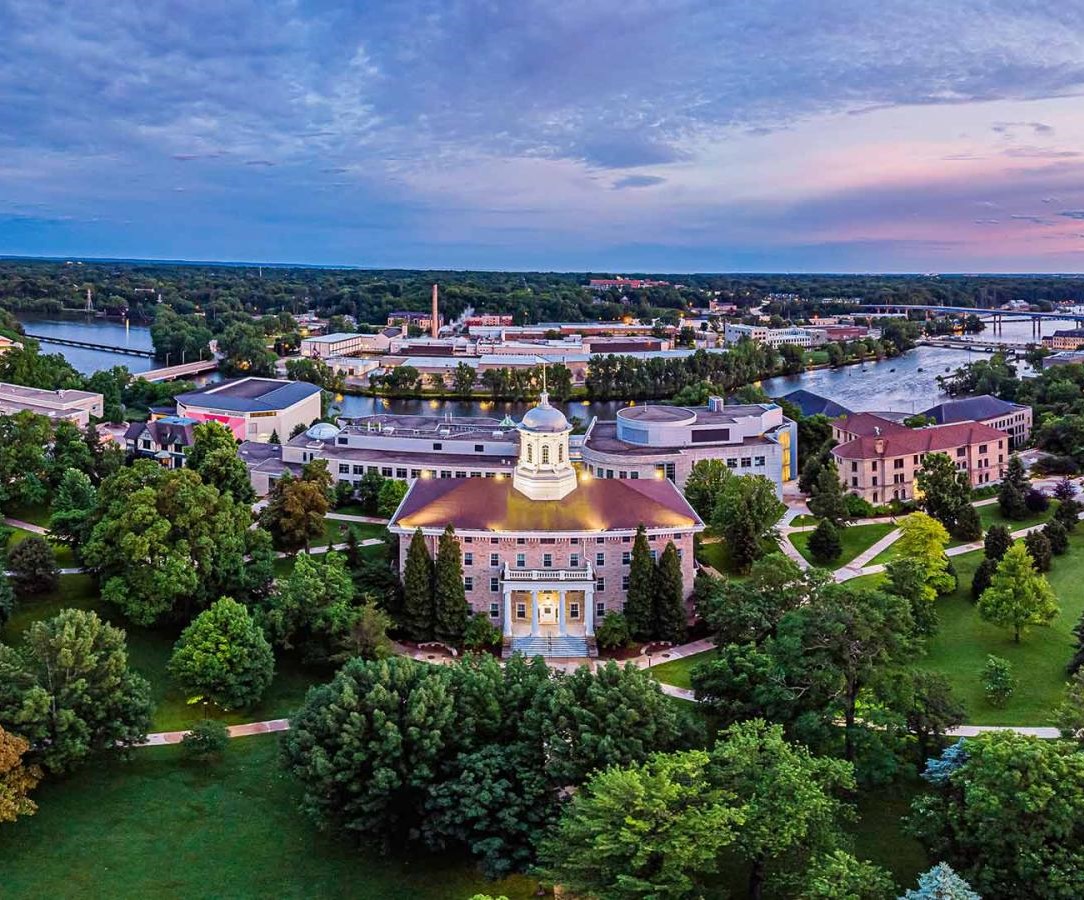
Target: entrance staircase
pixel 557 646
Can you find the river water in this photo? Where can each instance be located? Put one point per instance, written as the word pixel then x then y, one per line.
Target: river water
pixel 907 383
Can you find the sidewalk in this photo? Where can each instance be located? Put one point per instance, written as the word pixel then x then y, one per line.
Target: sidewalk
pixel 25 526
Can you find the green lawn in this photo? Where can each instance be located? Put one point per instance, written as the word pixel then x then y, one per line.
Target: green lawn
pixel 158 826
pixel 149 651
pixel 964 640
pixel 677 672
pixel 34 513
pixel 803 519
pixel 855 539
pixel 64 557
pixel 717 555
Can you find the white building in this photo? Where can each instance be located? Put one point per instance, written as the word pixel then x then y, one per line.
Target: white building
pixel 773 337
pixel 349 343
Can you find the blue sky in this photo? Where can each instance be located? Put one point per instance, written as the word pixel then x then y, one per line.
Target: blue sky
pixel 853 135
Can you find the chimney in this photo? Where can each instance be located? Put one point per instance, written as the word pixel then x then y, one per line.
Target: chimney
pixel 434 327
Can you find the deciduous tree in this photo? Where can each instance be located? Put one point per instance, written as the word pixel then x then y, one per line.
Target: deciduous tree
pixel 746 511
pixel 32 563
pixel 73 506
pixel 68 690
pixel 1018 596
pixel 706 479
pixel 223 657
pixel 17 779
pixel 213 455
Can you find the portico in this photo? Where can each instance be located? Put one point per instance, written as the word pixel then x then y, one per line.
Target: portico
pixel 548 602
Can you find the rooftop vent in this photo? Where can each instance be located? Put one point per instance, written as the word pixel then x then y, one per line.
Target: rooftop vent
pixel 715 404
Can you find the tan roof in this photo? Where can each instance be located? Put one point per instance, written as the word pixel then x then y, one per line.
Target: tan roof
pixel 597 504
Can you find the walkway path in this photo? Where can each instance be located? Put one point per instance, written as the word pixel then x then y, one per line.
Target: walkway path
pixel 235 731
pixel 25 526
pixel 350 517
pixel 855 566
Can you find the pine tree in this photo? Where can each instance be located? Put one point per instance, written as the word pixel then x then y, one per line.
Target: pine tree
pixel 1058 537
pixel 418 614
pixel 941 883
pixel 980 581
pixel 824 543
pixel 1013 490
pixel 670 618
pixel 639 599
pixel 998 540
pixel 450 610
pixel 828 500
pixel 968 525
pixel 1039 548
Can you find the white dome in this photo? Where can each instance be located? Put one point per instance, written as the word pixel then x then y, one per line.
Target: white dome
pixel 544 418
pixel 322 431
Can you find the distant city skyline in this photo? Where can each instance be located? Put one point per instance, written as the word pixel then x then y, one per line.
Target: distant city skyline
pixel 626 136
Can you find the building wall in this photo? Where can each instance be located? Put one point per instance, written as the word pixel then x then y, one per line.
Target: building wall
pixel 765 459
pixel 612 571
pixel 258 426
pixel 880 480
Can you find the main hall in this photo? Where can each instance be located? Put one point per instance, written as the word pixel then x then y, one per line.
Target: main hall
pixel 546 553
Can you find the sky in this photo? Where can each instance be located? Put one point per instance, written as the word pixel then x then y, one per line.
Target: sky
pixel 572 135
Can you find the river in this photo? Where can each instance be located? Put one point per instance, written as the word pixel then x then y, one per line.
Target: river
pixel 907 383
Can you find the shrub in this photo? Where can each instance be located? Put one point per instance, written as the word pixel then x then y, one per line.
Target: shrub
pixel 481 633
pixel 1068 513
pixel 858 508
pixel 207 740
pixel 613 632
pixel 824 542
pixel 998 541
pixel 968 525
pixel 998 681
pixel 33 566
pixel 1036 501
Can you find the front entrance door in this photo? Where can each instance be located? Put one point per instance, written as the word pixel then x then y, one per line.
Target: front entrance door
pixel 547 609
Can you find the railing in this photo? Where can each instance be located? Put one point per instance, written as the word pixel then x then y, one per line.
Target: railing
pixel 513 574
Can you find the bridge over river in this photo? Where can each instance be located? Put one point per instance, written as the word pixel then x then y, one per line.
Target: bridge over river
pixel 90 345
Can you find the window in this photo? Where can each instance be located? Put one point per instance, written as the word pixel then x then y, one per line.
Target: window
pixel 626 558
pixel 460 474
pixel 626 539
pixel 401 473
pixel 574 561
pixel 622 474
pixel 468 540
pixel 874 482
pixel 609 473
pixel 386 471
pixel 146 445
pixel 341 440
pixel 573 610
pixel 521 541
pixel 521 560
pixel 960 451
pixel 494 584
pixel 600 559
pixel 854 466
pixel 494 611
pixel 359 470
pixel 560 453
pixel 600 609
pixel 731 463
pixel 654 555
pixel 897 464
pixel 547 540
pixel 468 583
pixel 746 462
pixel 758 460
pixel 479 448
pixel 445 473
pixel 415 473
pixel 624 582
pixel 982 448
pixel 635 476
pixel 599 540
pixel 494 559
pixel 437 445
pixel 914 459
pixel 547 560
pixel 521 610
pixel 468 559
pixel 854 482
pixel 475 474
pixel 530 453
pixel 600 583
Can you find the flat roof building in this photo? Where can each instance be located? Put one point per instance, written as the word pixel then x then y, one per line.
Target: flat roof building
pixel 254 409
pixel 64 405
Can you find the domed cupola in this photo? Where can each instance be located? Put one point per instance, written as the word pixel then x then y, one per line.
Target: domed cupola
pixel 544 471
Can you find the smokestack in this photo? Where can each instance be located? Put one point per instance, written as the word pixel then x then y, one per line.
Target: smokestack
pixel 434 327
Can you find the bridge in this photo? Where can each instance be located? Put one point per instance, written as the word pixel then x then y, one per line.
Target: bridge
pixel 169 373
pixel 88 345
pixel 996 316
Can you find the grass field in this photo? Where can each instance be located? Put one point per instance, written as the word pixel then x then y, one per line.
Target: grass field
pixel 964 640
pixel 157 826
pixel 63 553
pixel 991 515
pixel 677 672
pixel 149 651
pixel 854 539
pixel 803 519
pixel 34 513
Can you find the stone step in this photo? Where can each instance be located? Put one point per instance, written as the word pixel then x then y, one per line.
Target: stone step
pixel 541 645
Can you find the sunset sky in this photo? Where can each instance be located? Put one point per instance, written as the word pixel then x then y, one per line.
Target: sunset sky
pixel 851 135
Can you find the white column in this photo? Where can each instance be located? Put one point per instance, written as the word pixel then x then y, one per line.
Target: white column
pixel 561 613
pixel 589 611
pixel 534 612
pixel 507 610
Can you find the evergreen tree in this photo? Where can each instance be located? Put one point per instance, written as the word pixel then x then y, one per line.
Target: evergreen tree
pixel 1014 486
pixel 670 618
pixel 824 542
pixel 980 581
pixel 1068 513
pixel 1041 552
pixel 968 525
pixel 33 566
pixel 829 501
pixel 998 540
pixel 639 599
pixel 275 439
pixel 941 883
pixel 418 613
pixel 1057 536
pixel 73 504
pixel 7 599
pixel 450 610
